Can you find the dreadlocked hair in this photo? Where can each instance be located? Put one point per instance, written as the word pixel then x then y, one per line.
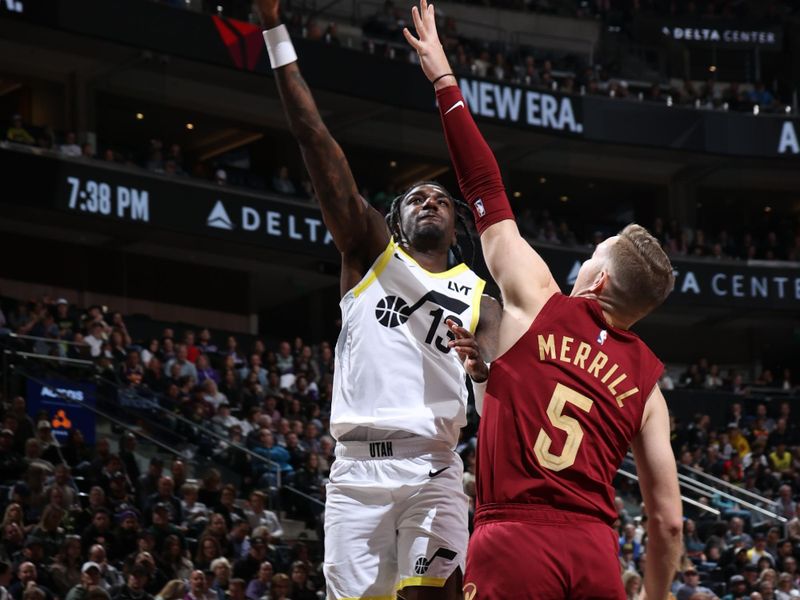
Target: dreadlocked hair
pixel 395 224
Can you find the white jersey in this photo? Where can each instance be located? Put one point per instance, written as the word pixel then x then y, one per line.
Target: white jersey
pixel 394 371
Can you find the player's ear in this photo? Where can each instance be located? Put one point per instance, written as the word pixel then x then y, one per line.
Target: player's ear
pixel 599 282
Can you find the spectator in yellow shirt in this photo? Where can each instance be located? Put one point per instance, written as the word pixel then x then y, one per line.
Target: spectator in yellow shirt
pixel 17 133
pixel 781 459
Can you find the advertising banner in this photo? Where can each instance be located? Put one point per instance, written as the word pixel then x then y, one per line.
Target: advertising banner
pixel 64 402
pixel 729 284
pixel 238 45
pixel 720 33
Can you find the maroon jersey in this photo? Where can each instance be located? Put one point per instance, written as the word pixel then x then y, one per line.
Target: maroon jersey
pixel 560 411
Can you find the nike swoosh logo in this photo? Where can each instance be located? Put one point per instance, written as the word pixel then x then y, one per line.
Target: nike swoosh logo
pixel 433 474
pixel 455 106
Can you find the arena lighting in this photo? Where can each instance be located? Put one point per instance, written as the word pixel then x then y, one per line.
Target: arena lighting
pixel 564 198
pixel 756 109
pixel 542 179
pixel 190 126
pixel 788 110
pixel 767 209
pixel 517 194
pixel 392 163
pixel 669 100
pixel 713 68
pixel 139 116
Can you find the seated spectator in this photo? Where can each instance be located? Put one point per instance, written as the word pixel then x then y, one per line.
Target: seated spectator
pixel 246 568
pixel 221 568
pixel 198 588
pixel 28 579
pixel 259 587
pixel 134 589
pixel 282 184
pixel 691 585
pixel 165 495
pixel 195 513
pixel 172 560
pixel 181 360
pixel 99 531
pixel 258 516
pixel 51 535
pixel 66 571
pixel 110 577
pixel 19 135
pixel 230 513
pixel 89 578
pixel 268 472
pixel 236 589
pixel 302 587
pixel 208 549
pixel 761 96
pixel 70 147
pixel 281 587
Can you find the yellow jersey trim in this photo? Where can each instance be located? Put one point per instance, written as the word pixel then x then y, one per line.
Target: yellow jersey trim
pixel 460 268
pixel 376 270
pixel 421 581
pixel 476 305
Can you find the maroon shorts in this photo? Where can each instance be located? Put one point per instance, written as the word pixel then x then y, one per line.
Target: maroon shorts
pixel 520 552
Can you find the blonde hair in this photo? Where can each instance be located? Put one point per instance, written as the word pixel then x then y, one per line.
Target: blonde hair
pixel 641 272
pixel 172 590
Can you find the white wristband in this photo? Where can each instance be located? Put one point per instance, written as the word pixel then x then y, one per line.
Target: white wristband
pixel 479 390
pixel 279 46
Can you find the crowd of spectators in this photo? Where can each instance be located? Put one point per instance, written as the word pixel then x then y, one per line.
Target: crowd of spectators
pixel 741 554
pixel 563 72
pixel 773 242
pixel 83 521
pixel 705 375
pixel 159 531
pixel 779 241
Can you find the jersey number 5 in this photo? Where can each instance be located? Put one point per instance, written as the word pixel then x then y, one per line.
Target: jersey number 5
pixel 541 448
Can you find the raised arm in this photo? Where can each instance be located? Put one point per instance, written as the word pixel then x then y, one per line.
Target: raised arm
pixel 359 231
pixel 524 279
pixel 658 481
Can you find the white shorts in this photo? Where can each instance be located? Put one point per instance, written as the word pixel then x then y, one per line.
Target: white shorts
pixel 395 516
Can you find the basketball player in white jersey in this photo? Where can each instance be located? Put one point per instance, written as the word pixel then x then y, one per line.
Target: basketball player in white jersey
pixel 396 515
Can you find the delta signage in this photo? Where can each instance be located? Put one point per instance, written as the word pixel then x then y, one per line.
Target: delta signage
pixel 719 33
pixel 121 195
pixel 729 284
pixel 747 38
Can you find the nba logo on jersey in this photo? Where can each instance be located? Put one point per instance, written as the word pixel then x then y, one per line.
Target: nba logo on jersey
pixel 479 207
pixel 601 337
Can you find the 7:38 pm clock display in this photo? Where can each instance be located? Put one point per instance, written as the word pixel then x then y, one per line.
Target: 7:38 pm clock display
pixel 101 198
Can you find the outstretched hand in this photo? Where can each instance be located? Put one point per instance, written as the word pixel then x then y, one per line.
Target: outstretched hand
pixel 467 347
pixel 268 12
pixel 431 54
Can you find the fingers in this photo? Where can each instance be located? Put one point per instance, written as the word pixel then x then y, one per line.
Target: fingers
pixel 465 352
pixel 430 17
pixel 459 331
pixel 418 24
pixel 414 42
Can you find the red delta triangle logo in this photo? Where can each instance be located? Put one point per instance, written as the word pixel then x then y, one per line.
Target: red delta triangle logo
pixel 243 41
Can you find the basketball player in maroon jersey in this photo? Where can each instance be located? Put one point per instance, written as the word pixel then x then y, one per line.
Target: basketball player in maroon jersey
pixel 571 391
